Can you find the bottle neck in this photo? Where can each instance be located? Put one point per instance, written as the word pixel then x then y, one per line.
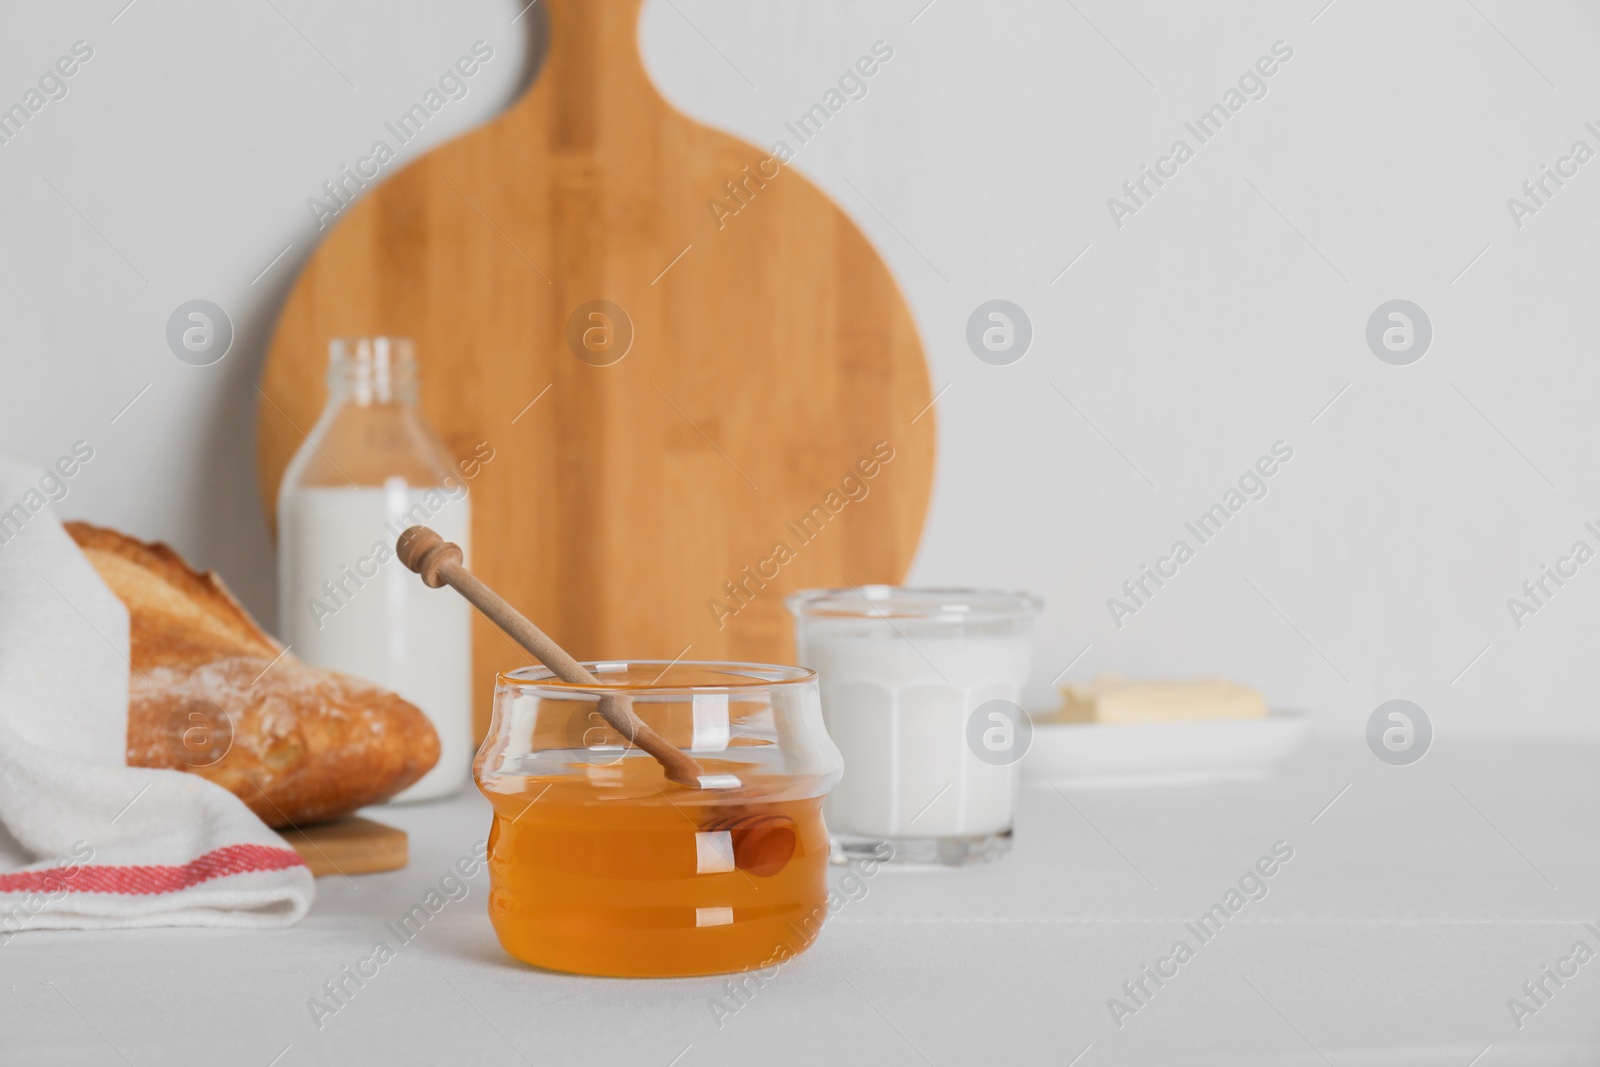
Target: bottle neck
pixel 372 371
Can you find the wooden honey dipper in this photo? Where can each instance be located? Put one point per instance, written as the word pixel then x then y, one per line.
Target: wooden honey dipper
pixel 762 844
pixel 439 563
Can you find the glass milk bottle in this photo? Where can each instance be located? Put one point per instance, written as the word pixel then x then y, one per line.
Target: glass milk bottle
pixel 370 468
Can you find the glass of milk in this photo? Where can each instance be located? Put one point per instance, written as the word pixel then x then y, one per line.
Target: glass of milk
pixel 920 691
pixel 370 468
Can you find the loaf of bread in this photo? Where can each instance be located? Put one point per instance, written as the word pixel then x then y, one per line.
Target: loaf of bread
pixel 212 694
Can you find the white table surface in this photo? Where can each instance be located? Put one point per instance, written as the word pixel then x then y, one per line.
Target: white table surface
pixel 1414 906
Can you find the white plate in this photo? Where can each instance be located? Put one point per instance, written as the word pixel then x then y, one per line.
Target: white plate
pixel 1110 756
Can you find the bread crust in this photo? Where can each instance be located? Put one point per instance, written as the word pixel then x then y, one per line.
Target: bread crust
pixel 211 693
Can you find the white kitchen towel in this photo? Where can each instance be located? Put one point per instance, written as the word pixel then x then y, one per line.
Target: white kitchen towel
pixel 91 842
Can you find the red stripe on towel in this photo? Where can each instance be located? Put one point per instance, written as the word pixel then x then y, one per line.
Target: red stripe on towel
pixel 145 881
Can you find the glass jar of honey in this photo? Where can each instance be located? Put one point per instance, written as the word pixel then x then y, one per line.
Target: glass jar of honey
pixel 600 865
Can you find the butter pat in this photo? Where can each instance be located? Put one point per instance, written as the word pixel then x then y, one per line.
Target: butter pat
pixel 1111 698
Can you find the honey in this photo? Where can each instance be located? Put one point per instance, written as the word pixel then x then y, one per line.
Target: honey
pixel 614 871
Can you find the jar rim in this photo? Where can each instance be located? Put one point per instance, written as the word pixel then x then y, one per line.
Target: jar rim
pixel 938 603
pixel 538 676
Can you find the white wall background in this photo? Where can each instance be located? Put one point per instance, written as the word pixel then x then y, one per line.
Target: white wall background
pixel 1223 317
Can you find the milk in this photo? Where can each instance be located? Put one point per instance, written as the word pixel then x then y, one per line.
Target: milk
pixel 897 708
pixel 345 603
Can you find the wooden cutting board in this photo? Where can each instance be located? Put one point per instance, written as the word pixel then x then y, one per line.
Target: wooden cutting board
pixel 352 845
pixel 771 351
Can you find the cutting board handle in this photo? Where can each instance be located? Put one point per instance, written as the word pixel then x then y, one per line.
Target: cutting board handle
pixel 593 75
